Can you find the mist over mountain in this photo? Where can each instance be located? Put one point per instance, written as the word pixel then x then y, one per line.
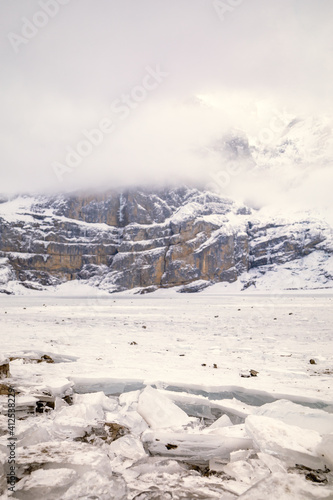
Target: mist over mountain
pixel 127 94
pixel 136 105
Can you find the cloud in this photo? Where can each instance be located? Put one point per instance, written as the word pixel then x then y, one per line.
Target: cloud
pixel 222 74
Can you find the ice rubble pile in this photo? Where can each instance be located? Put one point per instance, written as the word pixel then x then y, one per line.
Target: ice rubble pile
pixel 143 445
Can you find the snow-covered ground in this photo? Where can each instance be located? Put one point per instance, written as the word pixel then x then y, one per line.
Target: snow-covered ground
pixel 209 395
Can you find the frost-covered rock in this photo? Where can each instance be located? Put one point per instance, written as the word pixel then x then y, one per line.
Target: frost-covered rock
pixel 4 367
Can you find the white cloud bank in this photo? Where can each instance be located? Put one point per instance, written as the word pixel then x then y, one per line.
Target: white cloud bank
pixel 91 65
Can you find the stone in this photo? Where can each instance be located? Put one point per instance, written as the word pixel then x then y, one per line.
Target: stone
pixel 4 368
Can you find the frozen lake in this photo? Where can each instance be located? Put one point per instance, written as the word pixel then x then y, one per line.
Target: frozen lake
pixel 167 337
pixel 258 367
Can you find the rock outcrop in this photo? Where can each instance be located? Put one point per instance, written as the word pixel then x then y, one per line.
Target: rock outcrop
pixel 144 238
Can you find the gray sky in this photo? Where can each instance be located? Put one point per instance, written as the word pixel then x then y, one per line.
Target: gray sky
pixel 162 79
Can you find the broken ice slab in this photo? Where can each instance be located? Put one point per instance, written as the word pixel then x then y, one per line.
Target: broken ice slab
pixel 67 481
pixel 125 451
pixel 94 485
pixel 223 421
pixel 243 473
pixel 108 385
pixel 69 422
pixel 273 463
pixel 285 486
pixel 127 418
pixel 97 398
pixel 49 390
pixel 158 411
pixel 76 420
pixel 200 406
pixel 246 395
pixel 77 456
pixel 24 405
pixel 197 447
pixel 128 447
pixel 295 414
pixel 45 483
pixel 194 405
pixel 58 386
pixel 236 410
pixel 292 444
pixel 156 478
pixel 325 450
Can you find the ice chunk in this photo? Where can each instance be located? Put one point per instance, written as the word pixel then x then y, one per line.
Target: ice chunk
pixel 273 463
pixel 24 404
pixel 34 430
pixel 79 456
pixel 67 484
pixel 96 382
pixel 194 405
pixel 235 409
pixel 223 421
pixel 280 486
pixel 163 479
pixel 296 414
pixel 158 411
pixel 42 483
pixel 74 421
pixel 195 447
pixel 128 447
pixel 59 386
pixel 325 449
pixel 130 419
pixel 240 455
pixel 246 473
pixel 94 485
pixel 236 431
pixel 129 398
pixel 97 398
pixel 291 443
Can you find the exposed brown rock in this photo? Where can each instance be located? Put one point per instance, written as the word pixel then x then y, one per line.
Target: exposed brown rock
pixel 143 239
pixel 4 368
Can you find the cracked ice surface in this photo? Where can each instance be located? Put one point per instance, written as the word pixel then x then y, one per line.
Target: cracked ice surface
pixel 145 398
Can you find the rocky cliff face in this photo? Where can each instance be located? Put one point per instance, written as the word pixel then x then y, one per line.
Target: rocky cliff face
pixel 141 238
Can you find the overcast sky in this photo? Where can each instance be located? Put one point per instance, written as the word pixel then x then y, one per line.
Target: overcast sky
pixel 161 80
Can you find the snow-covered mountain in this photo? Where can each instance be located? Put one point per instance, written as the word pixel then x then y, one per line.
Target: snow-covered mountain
pixel 286 160
pixel 144 238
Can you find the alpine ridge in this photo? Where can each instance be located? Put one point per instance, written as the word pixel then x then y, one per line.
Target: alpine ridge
pixel 146 239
